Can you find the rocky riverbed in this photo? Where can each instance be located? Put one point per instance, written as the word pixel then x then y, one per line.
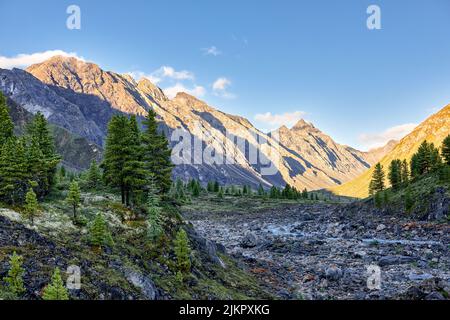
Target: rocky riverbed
pixel 324 251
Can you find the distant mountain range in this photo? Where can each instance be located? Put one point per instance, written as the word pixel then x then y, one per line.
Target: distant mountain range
pixel 80 98
pixel 434 129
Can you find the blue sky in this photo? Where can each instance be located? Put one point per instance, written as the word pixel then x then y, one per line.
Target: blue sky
pixel 312 59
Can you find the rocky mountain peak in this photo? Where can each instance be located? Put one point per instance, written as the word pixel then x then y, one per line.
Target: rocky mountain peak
pixel 302 125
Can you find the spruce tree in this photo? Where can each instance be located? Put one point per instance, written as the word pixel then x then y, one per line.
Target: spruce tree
pixel 135 174
pixel 6 124
pixel 182 251
pixel 156 153
pixel 14 279
pixel 74 197
pixel 216 186
pixel 39 131
pixel 405 172
pixel 196 189
pixel 118 155
pixel 14 175
pixel 31 205
pixel 377 183
pixel 446 150
pixel 155 229
pixel 261 191
pixel 56 289
pixel 99 233
pixel 94 175
pixel 395 174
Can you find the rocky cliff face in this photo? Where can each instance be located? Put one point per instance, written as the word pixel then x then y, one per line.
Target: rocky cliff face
pixel 319 152
pixel 434 129
pixel 81 97
pixel 77 152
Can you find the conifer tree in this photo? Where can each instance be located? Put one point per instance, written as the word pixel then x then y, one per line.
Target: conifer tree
pixel 377 183
pixel 74 197
pixel 446 150
pixel 182 251
pixel 409 202
pixel 6 124
pixel 395 174
pixel 196 189
pixel 261 191
pixel 94 176
pixel 274 192
pixel 210 186
pixel 31 205
pixel 99 233
pixel 135 174
pixel 156 153
pixel 14 279
pixel 405 172
pixel 305 194
pixel 39 131
pixel 118 155
pixel 216 186
pixel 154 220
pixel 56 289
pixel 13 171
pixel 220 193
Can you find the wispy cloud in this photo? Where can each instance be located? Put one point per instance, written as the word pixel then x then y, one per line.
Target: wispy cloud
pixel 162 73
pixel 288 119
pixel 25 60
pixel 375 140
pixel 220 88
pixel 211 51
pixel 197 91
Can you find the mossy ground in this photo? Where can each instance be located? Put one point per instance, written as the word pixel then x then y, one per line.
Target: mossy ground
pixel 131 251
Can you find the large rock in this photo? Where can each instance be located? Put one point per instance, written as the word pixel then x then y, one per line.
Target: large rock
pixel 250 240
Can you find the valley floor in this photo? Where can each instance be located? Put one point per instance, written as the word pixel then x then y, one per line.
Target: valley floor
pixel 323 250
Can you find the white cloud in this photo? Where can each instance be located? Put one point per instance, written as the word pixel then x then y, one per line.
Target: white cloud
pixel 288 119
pixel 169 72
pixel 221 84
pixel 138 75
pixel 211 51
pixel 220 87
pixel 162 73
pixel 375 140
pixel 197 91
pixel 25 60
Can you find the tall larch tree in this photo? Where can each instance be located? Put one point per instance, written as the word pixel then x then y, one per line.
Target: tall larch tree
pixel 446 150
pixel 6 124
pixel 378 177
pixel 157 153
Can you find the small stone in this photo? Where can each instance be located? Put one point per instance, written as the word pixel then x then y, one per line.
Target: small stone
pixel 333 273
pixel 381 227
pixel 249 241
